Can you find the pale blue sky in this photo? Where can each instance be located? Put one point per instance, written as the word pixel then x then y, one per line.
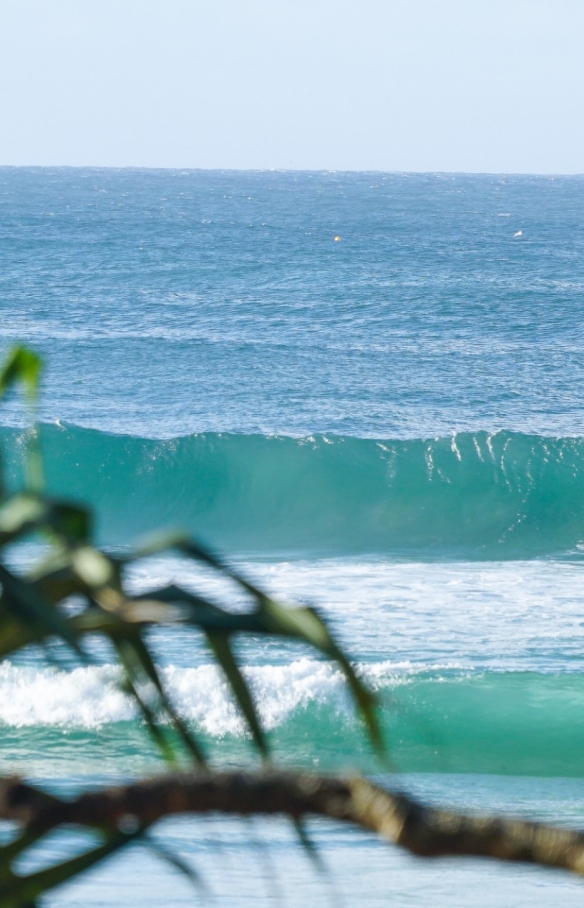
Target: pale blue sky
pixel 455 85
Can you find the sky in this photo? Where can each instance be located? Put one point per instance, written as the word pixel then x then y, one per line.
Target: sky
pixel 396 85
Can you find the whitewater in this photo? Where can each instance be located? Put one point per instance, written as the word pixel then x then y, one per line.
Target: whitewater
pixel 389 426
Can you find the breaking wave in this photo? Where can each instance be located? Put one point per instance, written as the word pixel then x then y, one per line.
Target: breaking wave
pixel 502 495
pixel 436 720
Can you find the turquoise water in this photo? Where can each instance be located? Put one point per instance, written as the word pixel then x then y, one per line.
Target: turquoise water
pixel 478 495
pixel 390 426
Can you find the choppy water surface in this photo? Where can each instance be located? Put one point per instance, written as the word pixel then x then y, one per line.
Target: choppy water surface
pixel 389 425
pixel 179 302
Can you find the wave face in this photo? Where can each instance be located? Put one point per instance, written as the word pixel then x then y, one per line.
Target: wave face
pixel 505 495
pixel 438 720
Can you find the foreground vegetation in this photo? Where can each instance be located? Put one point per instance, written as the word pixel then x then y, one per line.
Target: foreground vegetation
pixel 77 592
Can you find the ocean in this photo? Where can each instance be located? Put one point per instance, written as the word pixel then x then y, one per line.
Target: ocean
pixel 365 390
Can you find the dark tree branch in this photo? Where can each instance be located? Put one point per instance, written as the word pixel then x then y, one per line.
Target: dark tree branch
pixel 422 830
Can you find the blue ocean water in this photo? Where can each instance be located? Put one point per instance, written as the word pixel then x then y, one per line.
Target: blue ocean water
pixel 366 389
pixel 430 315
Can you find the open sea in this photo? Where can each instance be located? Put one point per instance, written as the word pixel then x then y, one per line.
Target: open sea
pixel 367 390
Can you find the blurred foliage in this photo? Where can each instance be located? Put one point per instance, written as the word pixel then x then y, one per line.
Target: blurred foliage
pixel 35 609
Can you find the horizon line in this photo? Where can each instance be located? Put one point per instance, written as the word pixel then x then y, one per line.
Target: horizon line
pixel 307 170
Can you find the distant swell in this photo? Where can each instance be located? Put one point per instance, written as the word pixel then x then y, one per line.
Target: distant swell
pixel 476 495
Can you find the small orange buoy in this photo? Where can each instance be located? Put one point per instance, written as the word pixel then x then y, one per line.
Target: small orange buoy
pixel 338 239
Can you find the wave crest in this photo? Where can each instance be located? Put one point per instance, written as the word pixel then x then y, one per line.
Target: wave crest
pixel 504 495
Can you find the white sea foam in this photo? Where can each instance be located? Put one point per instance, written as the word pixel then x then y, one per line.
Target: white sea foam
pixel 510 616
pixel 202 697
pixel 84 697
pixel 91 697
